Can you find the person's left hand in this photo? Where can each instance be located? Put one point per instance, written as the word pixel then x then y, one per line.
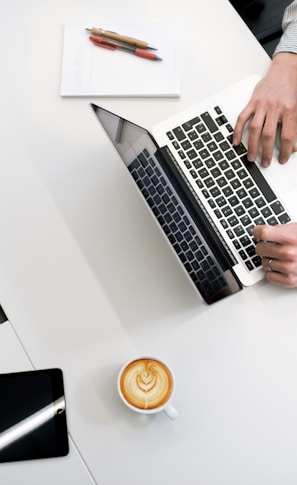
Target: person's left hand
pixel 278 249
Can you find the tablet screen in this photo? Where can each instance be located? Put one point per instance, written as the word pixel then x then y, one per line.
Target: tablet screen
pixel 32 415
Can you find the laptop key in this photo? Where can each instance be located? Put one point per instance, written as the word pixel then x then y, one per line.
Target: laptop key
pixel 179 133
pixel 284 218
pixel 277 207
pixel 211 125
pixel 259 179
pixel 257 260
pixel 272 221
pixel 189 124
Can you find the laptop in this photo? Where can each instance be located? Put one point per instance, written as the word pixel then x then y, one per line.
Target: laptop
pixel 203 192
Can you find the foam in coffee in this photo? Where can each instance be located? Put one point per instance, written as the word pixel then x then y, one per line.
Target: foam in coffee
pixel 146 383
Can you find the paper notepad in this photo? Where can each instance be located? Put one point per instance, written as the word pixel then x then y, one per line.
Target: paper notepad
pixel 88 70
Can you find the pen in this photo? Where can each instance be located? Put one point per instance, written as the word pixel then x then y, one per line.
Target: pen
pixel 101 42
pixel 121 38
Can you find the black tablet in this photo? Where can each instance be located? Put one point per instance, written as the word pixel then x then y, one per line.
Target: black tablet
pixel 32 415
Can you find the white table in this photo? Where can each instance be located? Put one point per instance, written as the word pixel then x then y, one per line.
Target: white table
pixel 87 280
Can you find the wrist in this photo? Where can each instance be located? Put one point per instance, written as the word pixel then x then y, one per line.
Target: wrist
pixel 286 58
pixel 284 63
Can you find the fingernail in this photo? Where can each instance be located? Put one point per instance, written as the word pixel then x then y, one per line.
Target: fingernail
pixel 251 157
pixel 265 163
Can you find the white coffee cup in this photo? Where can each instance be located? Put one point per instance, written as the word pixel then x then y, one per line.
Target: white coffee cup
pixel 146 385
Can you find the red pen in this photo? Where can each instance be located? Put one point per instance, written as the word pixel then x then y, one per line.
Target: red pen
pixel 101 42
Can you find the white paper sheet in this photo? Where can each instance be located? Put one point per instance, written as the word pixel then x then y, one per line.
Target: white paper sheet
pixel 88 70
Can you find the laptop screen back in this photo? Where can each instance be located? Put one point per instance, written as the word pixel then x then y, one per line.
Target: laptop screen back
pixel 164 191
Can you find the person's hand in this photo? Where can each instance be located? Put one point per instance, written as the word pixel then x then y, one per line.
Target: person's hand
pixel 278 249
pixel 274 102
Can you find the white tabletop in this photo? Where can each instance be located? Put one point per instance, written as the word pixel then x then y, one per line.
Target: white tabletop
pixel 87 280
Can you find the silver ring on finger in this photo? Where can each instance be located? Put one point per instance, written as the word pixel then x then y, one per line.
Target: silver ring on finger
pixel 269 265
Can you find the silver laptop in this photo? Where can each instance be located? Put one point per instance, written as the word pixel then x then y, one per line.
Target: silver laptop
pixel 203 192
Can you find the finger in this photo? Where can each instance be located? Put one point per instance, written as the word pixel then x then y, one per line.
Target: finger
pixel 255 131
pixel 265 263
pixel 273 264
pixel 268 140
pixel 262 232
pixel 280 273
pixel 285 152
pixel 242 119
pixel 287 280
pixel 267 250
pixel 277 278
pixel 276 234
pixel 288 138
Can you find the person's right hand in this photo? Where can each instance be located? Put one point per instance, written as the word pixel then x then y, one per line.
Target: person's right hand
pixel 277 247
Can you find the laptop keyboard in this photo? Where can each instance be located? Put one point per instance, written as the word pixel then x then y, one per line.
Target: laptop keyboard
pixel 234 189
pixel 177 225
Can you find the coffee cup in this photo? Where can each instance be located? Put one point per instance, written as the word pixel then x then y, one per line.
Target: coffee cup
pixel 146 385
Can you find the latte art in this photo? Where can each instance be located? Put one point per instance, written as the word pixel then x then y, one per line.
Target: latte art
pixel 146 383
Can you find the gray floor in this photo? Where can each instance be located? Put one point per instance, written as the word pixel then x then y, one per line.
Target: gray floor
pixel 264 21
